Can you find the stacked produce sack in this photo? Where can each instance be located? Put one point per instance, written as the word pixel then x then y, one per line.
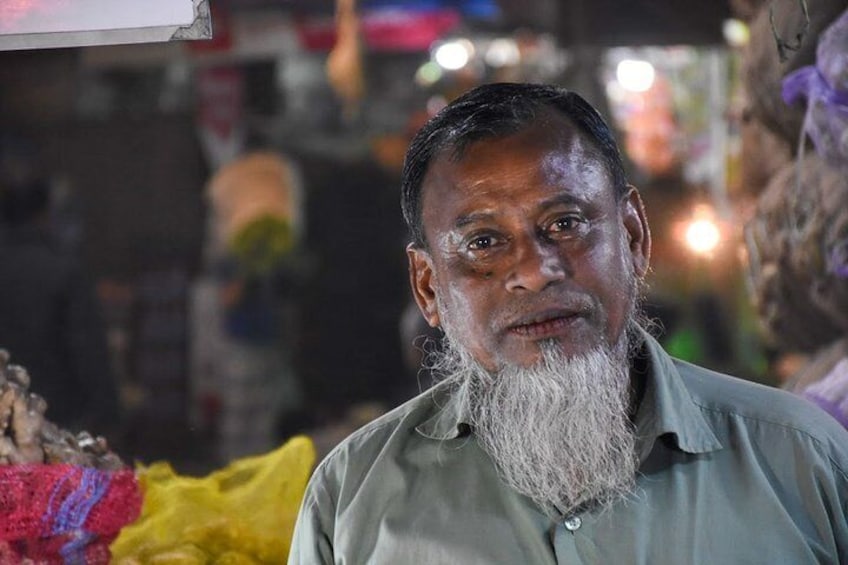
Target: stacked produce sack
pixel 795 146
pixel 63 497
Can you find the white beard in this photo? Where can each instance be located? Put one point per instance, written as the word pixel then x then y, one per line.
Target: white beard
pixel 559 431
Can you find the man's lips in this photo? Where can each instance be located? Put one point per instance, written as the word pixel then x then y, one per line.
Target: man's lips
pixel 546 324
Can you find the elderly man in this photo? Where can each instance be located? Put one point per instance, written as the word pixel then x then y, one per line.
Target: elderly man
pixel 562 432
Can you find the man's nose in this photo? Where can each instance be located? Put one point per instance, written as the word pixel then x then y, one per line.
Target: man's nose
pixel 538 263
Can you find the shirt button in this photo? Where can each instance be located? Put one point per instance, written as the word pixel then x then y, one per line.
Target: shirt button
pixel 572 523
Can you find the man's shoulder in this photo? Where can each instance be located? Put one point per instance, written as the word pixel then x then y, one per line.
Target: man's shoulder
pixel 725 396
pixel 396 427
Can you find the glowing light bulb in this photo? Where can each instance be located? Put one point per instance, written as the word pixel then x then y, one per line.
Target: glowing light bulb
pixel 635 75
pixel 735 32
pixel 702 236
pixel 503 52
pixel 453 55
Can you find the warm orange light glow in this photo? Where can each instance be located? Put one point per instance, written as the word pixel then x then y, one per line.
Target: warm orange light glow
pixel 702 233
pixel 702 236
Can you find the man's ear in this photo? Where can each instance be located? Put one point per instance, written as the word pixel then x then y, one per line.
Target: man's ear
pixel 422 281
pixel 638 232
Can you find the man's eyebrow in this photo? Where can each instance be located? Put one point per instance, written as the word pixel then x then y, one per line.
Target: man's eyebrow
pixel 466 219
pixel 564 198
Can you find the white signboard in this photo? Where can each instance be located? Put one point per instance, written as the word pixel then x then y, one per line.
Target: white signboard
pixel 35 24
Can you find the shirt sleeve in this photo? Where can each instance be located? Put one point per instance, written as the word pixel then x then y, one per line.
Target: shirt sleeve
pixel 840 519
pixel 312 542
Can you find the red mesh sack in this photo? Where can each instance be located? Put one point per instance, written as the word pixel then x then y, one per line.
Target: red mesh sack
pixel 63 514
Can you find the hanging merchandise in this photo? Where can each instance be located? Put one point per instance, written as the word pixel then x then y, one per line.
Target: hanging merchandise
pixel 825 88
pixel 344 63
pixel 388 26
pixel 256 206
pixel 792 23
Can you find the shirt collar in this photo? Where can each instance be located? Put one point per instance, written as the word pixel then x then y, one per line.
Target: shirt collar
pixel 666 409
pixel 450 420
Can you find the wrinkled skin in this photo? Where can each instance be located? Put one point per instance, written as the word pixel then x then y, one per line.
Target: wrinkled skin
pixel 527 241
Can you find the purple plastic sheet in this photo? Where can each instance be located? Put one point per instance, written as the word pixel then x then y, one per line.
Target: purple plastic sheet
pixel 838 260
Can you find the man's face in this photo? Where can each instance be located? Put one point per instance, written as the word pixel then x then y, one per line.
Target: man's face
pixel 528 242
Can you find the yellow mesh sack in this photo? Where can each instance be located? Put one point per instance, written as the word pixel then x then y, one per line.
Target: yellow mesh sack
pixel 242 514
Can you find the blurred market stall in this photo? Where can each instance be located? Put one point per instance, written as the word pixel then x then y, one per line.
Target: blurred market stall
pixel 131 136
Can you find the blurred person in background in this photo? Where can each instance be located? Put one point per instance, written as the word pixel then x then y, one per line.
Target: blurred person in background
pixel 50 320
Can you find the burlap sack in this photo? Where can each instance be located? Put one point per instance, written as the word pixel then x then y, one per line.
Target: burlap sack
pixel 798 255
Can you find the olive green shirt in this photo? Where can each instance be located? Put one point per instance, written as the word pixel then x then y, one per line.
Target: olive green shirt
pixel 731 472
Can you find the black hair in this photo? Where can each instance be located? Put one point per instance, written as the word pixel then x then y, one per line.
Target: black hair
pixel 497 110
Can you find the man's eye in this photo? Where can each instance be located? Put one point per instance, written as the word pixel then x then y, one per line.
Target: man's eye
pixel 564 224
pixel 482 242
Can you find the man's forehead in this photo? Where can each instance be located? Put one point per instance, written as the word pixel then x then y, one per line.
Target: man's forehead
pixel 558 153
pixel 574 154
pixel 548 125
